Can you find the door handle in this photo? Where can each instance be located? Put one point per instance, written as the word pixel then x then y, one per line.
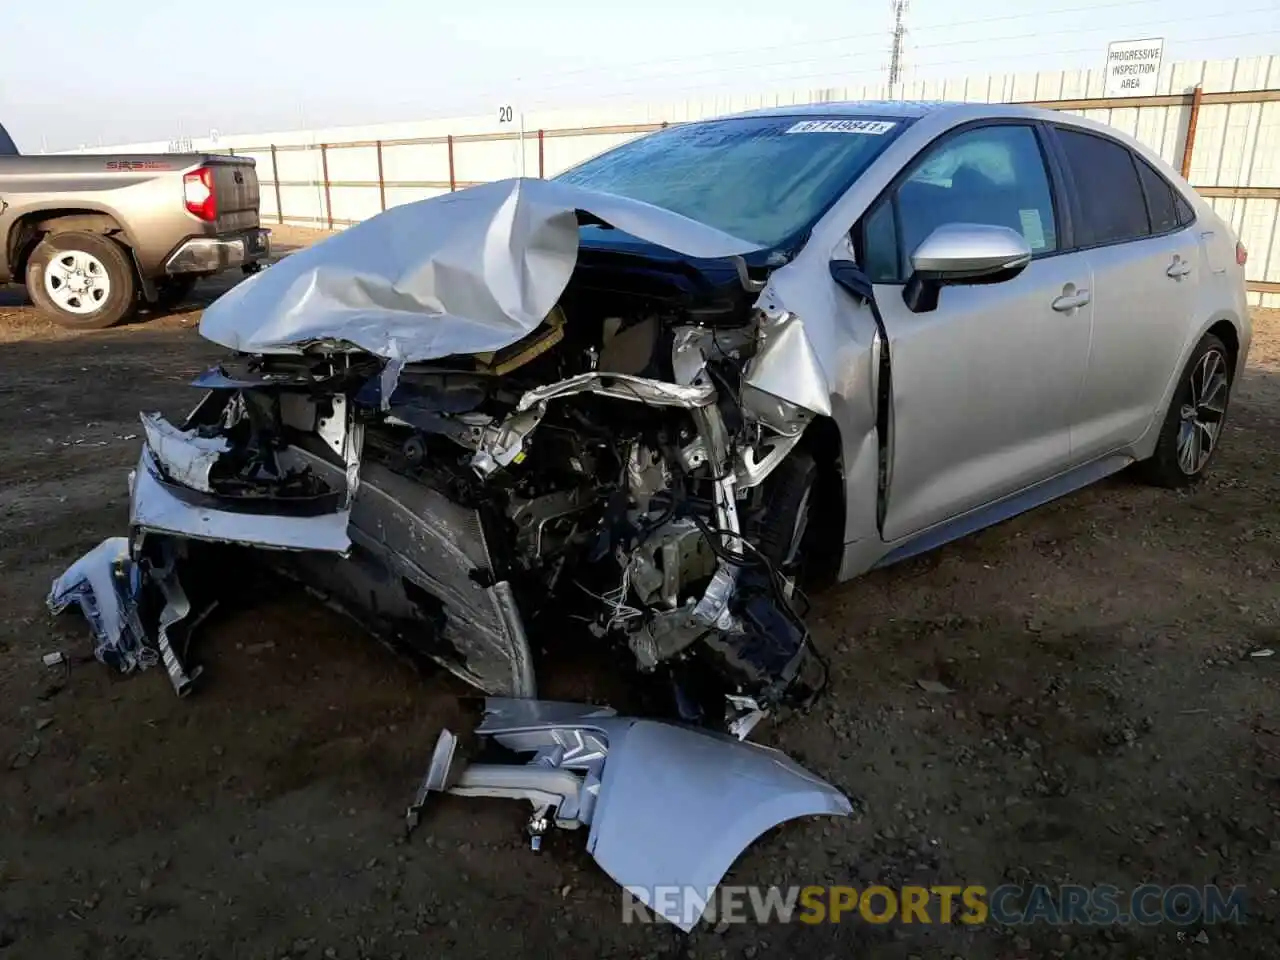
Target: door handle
pixel 1070 301
pixel 1178 269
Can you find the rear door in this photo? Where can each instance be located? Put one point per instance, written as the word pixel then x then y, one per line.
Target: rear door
pixel 235 182
pixel 982 387
pixel 1145 258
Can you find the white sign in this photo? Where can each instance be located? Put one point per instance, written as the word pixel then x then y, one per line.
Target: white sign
pixel 875 128
pixel 1133 67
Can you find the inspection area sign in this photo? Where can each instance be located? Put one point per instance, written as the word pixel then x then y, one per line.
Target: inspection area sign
pixel 1133 67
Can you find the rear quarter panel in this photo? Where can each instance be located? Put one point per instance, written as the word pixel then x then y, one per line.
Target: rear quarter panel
pixel 1218 297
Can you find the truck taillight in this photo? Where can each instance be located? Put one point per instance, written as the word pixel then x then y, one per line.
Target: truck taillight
pixel 197 189
pixel 1242 255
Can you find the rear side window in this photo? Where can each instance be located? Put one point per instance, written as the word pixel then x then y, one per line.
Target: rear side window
pixel 1161 206
pixel 1110 191
pixel 1185 213
pixel 7 149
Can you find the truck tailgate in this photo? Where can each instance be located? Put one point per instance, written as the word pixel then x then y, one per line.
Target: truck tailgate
pixel 235 182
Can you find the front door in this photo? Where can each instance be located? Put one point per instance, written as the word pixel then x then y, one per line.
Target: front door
pixel 983 386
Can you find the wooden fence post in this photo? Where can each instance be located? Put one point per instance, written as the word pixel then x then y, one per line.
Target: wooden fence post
pixel 275 179
pixel 1189 146
pixel 324 166
pixel 382 183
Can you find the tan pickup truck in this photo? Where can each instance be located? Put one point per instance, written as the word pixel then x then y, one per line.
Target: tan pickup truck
pixel 93 236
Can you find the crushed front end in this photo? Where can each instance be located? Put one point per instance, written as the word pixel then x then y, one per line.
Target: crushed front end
pixel 604 477
pixel 471 453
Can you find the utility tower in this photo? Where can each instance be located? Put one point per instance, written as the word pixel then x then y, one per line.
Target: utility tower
pixel 895 48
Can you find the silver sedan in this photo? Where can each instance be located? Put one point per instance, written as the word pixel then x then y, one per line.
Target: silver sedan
pixel 644 402
pixel 633 408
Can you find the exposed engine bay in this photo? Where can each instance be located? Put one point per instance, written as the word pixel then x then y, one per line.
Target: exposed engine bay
pixel 481 440
pixel 608 472
pixel 475 437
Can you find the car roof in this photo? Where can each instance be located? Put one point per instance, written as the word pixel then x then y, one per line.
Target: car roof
pixel 906 109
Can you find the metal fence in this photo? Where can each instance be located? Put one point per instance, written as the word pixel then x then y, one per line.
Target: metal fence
pixel 340 183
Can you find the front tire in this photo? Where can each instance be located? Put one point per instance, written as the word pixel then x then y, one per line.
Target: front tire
pixel 1192 428
pixel 84 281
pixel 784 522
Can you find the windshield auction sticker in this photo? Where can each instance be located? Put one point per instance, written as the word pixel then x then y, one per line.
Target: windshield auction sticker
pixel 873 127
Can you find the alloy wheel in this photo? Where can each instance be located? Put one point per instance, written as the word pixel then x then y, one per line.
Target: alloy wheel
pixel 1203 412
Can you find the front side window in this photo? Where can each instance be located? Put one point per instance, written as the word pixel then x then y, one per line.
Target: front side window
pixel 764 179
pixel 989 175
pixel 1107 183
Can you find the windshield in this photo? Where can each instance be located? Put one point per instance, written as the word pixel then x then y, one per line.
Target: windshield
pixel 763 179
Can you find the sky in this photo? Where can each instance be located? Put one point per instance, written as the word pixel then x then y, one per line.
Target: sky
pixel 120 71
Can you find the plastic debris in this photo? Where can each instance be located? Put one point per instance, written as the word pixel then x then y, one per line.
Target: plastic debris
pixel 106 584
pixel 933 686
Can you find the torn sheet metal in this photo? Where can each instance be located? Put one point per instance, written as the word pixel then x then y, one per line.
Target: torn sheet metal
pixel 176 609
pixel 462 273
pixel 186 458
pixel 154 509
pixel 106 585
pixel 786 364
pixel 669 807
pixel 622 386
pixel 501 444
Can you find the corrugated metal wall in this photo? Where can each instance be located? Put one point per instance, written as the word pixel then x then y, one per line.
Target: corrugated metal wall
pixel 339 175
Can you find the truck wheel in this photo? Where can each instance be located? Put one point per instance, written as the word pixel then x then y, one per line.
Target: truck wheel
pixel 85 281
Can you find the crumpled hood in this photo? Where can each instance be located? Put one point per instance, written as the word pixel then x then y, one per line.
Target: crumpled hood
pixel 466 272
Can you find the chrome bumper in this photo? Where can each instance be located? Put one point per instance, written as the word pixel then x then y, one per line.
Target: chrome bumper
pixel 214 254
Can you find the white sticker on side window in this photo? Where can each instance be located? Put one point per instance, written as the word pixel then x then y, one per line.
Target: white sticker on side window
pixel 1032 228
pixel 874 128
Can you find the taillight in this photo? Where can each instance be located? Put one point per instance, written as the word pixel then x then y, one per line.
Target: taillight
pixel 197 189
pixel 1242 255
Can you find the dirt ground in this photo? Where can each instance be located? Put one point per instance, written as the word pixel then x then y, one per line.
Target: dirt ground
pixel 1107 725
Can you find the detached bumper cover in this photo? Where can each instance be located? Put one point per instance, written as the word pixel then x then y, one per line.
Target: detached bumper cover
pixel 215 254
pixel 670 807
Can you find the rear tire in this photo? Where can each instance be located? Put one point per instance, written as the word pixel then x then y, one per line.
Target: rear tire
pixel 1192 428
pixel 83 281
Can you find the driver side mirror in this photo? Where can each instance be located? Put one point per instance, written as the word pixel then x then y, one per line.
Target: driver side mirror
pixel 958 253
